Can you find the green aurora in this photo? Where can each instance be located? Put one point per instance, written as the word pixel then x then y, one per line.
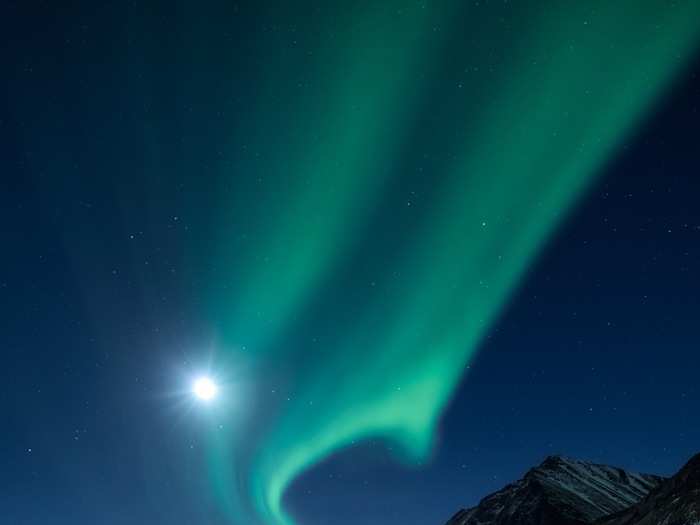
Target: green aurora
pixel 368 304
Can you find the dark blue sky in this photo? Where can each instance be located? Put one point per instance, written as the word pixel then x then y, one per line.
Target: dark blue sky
pixel 595 357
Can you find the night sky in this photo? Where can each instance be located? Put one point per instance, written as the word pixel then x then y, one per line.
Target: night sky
pixel 418 247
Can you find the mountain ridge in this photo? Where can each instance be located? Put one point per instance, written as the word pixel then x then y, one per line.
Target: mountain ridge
pixel 566 491
pixel 675 502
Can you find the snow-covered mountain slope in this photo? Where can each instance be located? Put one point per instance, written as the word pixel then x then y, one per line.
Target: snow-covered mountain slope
pixel 675 502
pixel 560 491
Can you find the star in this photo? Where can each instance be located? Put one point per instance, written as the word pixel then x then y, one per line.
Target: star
pixel 204 388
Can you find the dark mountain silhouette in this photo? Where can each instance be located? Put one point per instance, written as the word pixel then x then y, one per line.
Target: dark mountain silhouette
pixel 563 491
pixel 676 501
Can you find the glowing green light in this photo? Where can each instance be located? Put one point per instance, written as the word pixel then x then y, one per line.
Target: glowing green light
pixel 513 134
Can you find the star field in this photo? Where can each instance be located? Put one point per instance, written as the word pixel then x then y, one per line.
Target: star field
pixel 414 247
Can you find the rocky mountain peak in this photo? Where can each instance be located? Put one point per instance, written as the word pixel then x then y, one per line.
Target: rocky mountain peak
pixel 676 501
pixel 560 491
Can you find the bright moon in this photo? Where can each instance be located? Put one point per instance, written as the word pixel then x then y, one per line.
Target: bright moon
pixel 204 388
